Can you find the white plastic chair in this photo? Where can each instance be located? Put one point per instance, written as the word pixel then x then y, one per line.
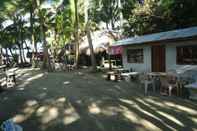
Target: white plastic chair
pixel 169 83
pixel 146 81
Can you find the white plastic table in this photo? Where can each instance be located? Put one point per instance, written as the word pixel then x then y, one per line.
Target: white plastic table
pixel 129 75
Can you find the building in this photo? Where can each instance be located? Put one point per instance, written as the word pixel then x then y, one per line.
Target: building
pixel 101 40
pixel 160 52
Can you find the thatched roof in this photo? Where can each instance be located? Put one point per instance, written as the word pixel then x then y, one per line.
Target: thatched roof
pixel 101 41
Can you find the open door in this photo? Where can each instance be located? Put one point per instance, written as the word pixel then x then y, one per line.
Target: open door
pixel 158 58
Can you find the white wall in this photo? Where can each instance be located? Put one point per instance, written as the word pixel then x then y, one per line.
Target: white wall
pixel 140 67
pixel 171 56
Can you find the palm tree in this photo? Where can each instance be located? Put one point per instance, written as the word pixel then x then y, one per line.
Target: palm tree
pixel 43 28
pixel 32 8
pixel 88 32
pixel 73 25
pixel 76 32
pixel 1 34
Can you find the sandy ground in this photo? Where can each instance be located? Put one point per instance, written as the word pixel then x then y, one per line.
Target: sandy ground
pixel 80 101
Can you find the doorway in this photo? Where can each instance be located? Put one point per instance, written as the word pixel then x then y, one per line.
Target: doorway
pixel 158 58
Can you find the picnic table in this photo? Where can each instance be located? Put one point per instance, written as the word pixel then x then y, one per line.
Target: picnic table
pixel 130 75
pixel 121 70
pixel 157 74
pixel 3 67
pixel 11 76
pixel 112 76
pixel 70 67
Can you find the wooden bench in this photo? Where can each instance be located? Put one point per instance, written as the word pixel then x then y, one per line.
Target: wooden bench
pixel 70 67
pixel 2 73
pixel 11 77
pixel 2 76
pixel 113 76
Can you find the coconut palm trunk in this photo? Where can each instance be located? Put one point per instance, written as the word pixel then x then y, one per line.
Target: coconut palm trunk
pixel 92 55
pixel 34 50
pixel 46 59
pixel 10 49
pixel 1 55
pixel 20 54
pixel 7 57
pixel 23 54
pixel 88 32
pixel 76 34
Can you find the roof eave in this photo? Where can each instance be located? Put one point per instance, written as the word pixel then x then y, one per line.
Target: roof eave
pixel 157 41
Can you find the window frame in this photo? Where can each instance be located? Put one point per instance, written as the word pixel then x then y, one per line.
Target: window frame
pixel 138 52
pixel 181 55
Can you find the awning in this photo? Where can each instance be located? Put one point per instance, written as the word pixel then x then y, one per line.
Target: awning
pixel 115 50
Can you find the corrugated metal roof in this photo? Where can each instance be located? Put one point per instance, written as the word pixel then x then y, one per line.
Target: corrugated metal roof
pixel 169 35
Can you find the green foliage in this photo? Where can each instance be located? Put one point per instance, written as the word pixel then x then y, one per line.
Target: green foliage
pixel 161 15
pixel 104 10
pixel 69 17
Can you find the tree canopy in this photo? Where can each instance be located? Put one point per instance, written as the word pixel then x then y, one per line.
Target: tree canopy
pixel 161 15
pixel 55 23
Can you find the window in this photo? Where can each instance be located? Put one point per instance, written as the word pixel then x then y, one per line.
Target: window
pixel 135 56
pixel 187 55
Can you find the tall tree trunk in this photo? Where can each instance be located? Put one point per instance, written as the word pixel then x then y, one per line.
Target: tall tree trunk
pixel 55 57
pixel 20 40
pixel 26 46
pixel 20 54
pixel 11 52
pixel 109 61
pixel 93 60
pixel 112 24
pixel 14 60
pixel 14 56
pixel 76 34
pixel 76 50
pixel 46 59
pixel 34 51
pixel 7 57
pixel 107 26
pixel 23 54
pixel 22 47
pixel 121 17
pixel 1 55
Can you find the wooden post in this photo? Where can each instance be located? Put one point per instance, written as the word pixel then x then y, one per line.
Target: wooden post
pixel 110 66
pixel 109 58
